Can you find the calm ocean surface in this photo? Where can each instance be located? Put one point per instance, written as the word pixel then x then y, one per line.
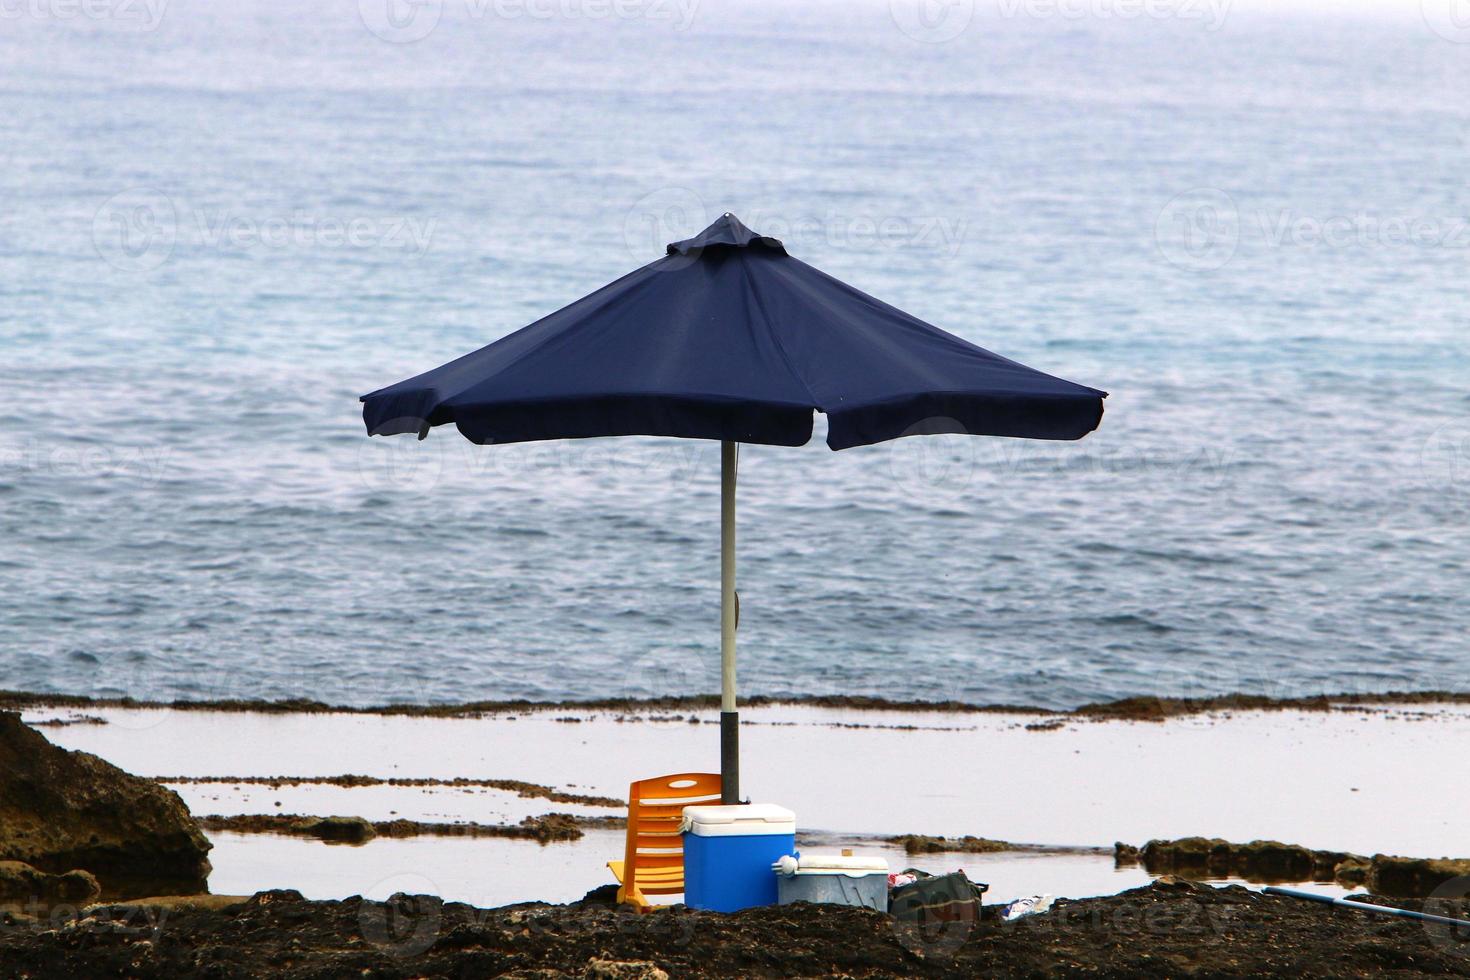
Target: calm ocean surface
pixel 222 223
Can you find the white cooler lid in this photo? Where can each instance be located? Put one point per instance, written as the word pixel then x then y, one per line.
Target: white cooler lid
pixel 855 865
pixel 738 820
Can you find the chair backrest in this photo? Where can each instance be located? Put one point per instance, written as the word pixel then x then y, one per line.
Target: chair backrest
pixel 655 810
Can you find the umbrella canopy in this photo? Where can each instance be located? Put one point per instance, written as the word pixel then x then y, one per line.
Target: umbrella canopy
pixel 728 337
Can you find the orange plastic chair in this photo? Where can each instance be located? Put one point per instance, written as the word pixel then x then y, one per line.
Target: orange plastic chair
pixel 653 860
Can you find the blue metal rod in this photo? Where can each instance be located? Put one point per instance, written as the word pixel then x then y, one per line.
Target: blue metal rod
pixel 1368 907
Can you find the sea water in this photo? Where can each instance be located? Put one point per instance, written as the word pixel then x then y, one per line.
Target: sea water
pixel 222 223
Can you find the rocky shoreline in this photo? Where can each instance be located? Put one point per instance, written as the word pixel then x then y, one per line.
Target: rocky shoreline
pixel 1172 928
pixel 75 832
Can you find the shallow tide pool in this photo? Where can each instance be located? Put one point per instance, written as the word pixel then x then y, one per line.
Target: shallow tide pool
pixel 1335 779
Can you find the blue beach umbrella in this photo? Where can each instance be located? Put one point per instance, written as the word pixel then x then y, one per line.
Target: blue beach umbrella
pixel 727 337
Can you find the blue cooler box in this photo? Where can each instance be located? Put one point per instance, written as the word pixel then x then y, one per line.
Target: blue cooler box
pixel 728 853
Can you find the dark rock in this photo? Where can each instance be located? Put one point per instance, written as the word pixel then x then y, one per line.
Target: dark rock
pixel 1258 860
pixel 1353 871
pixel 601 895
pixel 1199 854
pixel 348 830
pixel 1174 883
pixel 1273 859
pixel 62 810
pixel 22 883
pixel 552 827
pixel 1413 877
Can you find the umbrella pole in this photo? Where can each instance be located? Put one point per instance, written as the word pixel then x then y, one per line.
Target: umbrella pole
pixel 729 717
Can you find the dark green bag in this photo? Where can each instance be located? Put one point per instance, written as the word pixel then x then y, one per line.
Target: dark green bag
pixel 937 898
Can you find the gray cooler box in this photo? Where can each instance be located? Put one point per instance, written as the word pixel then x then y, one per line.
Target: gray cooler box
pixel 833 879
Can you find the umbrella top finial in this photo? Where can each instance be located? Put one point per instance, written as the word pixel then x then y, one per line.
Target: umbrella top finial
pixel 727 231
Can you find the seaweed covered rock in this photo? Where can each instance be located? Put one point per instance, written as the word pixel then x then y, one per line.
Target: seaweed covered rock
pixel 62 810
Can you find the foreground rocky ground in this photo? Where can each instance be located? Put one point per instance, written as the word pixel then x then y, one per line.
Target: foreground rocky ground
pixel 1173 928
